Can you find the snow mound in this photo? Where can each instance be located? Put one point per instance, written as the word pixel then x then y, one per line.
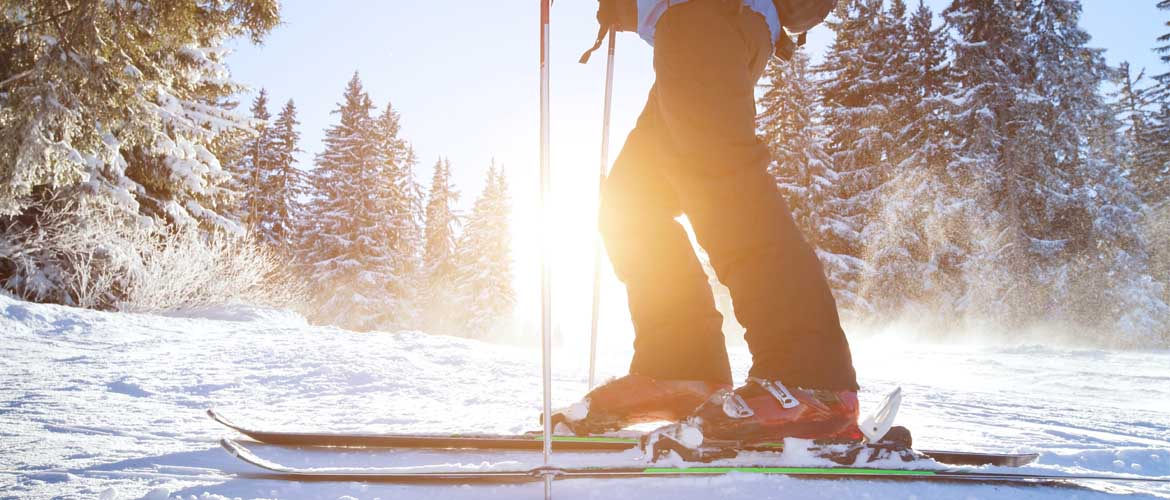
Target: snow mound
pixel 242 313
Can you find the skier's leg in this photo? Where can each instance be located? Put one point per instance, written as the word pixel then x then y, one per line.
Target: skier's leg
pixel 678 331
pixel 679 353
pixel 708 56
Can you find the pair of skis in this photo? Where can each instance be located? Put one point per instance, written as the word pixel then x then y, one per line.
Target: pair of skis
pixel 532 442
pixel 602 444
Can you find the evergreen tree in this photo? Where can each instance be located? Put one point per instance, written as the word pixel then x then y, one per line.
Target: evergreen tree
pixel 1131 104
pixel 788 123
pixel 1114 282
pixel 1153 178
pixel 1153 168
pixel 439 250
pixel 991 159
pixel 484 273
pixel 1034 151
pixel 353 244
pixel 856 92
pixel 402 207
pixel 282 184
pixel 1164 40
pixel 115 107
pixel 914 245
pixel 257 160
pixel 1092 208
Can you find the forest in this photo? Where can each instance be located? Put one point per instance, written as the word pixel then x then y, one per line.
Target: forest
pixel 979 164
pixel 130 181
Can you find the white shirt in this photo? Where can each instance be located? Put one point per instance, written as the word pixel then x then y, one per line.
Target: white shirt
pixel 650 11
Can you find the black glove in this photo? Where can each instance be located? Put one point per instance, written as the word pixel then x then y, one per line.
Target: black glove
pixel 616 15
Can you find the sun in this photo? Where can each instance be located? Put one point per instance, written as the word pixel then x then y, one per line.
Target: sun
pixel 571 240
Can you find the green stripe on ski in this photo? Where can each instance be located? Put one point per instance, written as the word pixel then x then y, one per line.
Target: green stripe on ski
pixel 788 470
pixel 587 439
pixel 605 439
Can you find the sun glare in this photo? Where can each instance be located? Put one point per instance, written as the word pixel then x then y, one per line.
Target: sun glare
pixel 570 216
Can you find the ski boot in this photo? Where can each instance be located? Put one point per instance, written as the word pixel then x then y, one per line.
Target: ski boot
pixel 634 399
pixel 761 414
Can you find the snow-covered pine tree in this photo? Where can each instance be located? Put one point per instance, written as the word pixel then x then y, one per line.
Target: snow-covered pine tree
pixel 789 123
pixel 1030 153
pixel 1155 186
pixel 993 167
pixel 1131 102
pixel 484 271
pixel 402 207
pixel 1091 206
pixel 1113 283
pixel 439 251
pixel 256 161
pixel 915 243
pixel 855 94
pixel 1153 176
pixel 114 107
pixel 1133 105
pixel 350 244
pixel 282 185
pixel 898 95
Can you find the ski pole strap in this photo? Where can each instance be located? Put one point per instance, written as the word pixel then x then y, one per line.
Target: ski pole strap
pixel 601 32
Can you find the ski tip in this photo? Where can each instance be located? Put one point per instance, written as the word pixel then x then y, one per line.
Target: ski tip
pixel 231 446
pixel 216 416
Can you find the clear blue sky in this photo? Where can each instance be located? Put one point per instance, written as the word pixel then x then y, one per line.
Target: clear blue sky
pixel 464 76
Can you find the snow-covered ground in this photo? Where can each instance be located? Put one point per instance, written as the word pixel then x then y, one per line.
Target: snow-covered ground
pixel 110 406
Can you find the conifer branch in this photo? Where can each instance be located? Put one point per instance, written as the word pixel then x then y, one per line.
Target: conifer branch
pixel 49 19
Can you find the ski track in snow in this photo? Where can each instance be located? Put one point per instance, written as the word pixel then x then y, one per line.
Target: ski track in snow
pixel 110 406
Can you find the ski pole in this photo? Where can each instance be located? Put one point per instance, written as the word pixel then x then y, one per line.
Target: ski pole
pixel 601 180
pixel 545 271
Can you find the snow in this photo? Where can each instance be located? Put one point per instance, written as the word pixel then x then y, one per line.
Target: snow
pixel 110 405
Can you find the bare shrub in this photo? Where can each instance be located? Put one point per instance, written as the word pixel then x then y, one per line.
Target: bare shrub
pixel 94 257
pixel 68 255
pixel 187 269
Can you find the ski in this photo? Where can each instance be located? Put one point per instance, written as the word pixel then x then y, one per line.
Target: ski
pixel 466 476
pixel 533 442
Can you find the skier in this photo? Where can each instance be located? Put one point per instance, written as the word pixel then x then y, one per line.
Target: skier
pixel 694 151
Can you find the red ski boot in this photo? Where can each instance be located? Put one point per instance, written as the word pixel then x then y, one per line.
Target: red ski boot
pixel 635 399
pixel 763 411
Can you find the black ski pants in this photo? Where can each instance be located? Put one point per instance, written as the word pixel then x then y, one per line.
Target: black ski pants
pixel 694 151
